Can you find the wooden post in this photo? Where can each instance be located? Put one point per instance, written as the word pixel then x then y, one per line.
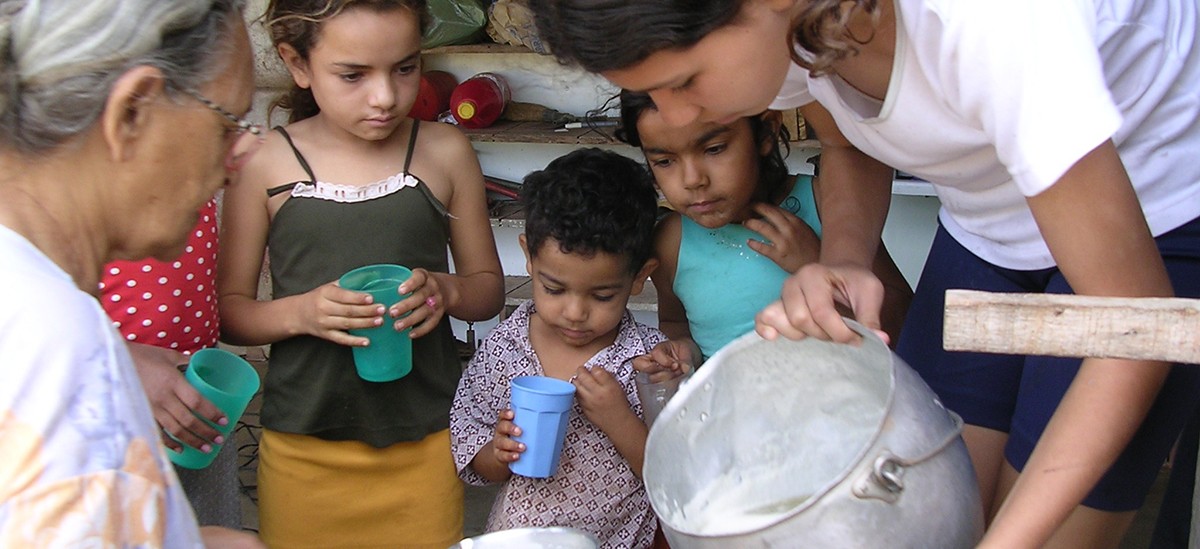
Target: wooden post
pixel 1079 326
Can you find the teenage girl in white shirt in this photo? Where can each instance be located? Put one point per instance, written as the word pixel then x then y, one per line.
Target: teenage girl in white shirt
pixel 1059 138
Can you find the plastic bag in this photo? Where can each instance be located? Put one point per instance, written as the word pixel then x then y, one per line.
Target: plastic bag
pixel 511 22
pixel 453 22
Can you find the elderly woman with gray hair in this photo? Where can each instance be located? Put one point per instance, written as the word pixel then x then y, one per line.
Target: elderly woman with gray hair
pixel 118 121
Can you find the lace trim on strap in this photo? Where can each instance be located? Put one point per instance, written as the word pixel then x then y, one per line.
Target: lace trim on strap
pixel 352 193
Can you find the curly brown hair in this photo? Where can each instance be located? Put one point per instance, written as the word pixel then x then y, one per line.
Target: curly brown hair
pixel 822 31
pixel 592 200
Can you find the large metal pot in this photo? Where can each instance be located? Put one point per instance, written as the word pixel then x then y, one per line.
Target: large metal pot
pixel 810 444
pixel 553 537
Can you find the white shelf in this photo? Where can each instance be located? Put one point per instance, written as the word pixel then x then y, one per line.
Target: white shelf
pixel 912 187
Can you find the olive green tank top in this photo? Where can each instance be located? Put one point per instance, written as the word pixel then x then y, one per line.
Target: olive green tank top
pixel 322 231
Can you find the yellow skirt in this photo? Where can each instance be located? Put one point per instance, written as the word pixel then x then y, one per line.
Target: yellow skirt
pixel 320 493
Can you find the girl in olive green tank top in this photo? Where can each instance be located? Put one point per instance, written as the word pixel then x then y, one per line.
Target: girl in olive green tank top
pixel 353 181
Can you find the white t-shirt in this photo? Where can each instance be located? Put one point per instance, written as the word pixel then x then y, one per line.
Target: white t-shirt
pixel 992 101
pixel 81 463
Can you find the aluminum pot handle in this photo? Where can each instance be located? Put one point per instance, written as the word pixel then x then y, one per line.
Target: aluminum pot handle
pixel 885 480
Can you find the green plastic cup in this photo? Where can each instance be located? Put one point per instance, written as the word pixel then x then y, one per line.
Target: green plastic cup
pixel 229 383
pixel 389 355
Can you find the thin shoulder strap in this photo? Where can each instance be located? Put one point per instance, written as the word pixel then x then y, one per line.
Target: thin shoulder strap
pixel 412 143
pixel 280 189
pixel 299 157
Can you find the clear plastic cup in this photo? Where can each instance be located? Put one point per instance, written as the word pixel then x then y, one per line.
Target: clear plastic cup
pixel 654 390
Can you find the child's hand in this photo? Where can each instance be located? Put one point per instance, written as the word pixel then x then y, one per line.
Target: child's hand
pixel 504 448
pixel 329 310
pixel 668 360
pixel 425 307
pixel 793 244
pixel 602 398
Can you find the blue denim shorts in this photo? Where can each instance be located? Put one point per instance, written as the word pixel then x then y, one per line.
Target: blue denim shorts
pixel 1018 394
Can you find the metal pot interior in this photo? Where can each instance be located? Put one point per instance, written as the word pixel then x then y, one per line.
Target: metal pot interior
pixel 763 430
pixel 524 538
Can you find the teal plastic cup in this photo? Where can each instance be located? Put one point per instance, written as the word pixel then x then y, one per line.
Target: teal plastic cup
pixel 229 383
pixel 541 406
pixel 389 355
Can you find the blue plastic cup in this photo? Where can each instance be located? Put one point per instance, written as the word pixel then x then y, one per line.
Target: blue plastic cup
pixel 227 381
pixel 542 407
pixel 389 355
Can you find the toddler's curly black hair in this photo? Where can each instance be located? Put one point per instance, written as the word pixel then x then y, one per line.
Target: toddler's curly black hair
pixel 589 201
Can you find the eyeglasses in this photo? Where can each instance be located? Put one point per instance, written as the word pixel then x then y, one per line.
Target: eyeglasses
pixel 247 136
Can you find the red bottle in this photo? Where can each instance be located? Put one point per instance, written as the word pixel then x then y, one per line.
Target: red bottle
pixel 479 100
pixel 433 98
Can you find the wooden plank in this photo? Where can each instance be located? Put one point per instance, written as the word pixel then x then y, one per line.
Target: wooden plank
pixel 1071 325
pixel 507 131
pixel 1081 326
pixel 483 47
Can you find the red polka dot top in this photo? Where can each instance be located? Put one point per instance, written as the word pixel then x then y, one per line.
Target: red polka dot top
pixel 168 304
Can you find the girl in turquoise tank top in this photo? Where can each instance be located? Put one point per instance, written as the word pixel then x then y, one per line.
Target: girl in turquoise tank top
pixel 740 225
pixel 352 180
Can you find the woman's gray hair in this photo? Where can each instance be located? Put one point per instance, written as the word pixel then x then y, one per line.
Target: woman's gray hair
pixel 60 58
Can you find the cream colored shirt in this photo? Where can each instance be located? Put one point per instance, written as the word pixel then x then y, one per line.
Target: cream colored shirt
pixel 81 463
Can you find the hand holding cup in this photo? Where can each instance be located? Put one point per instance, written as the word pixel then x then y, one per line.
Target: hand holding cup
pixel 504 448
pixel 542 410
pixel 229 382
pixel 388 354
pixel 423 305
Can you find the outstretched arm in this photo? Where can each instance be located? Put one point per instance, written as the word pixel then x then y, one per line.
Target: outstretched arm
pixel 897 295
pixel 853 200
pixel 1105 249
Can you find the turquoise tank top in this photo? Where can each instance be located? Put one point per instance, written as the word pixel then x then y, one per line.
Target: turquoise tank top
pixel 722 283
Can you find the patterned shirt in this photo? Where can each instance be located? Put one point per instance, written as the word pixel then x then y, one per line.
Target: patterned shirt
pixel 594 489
